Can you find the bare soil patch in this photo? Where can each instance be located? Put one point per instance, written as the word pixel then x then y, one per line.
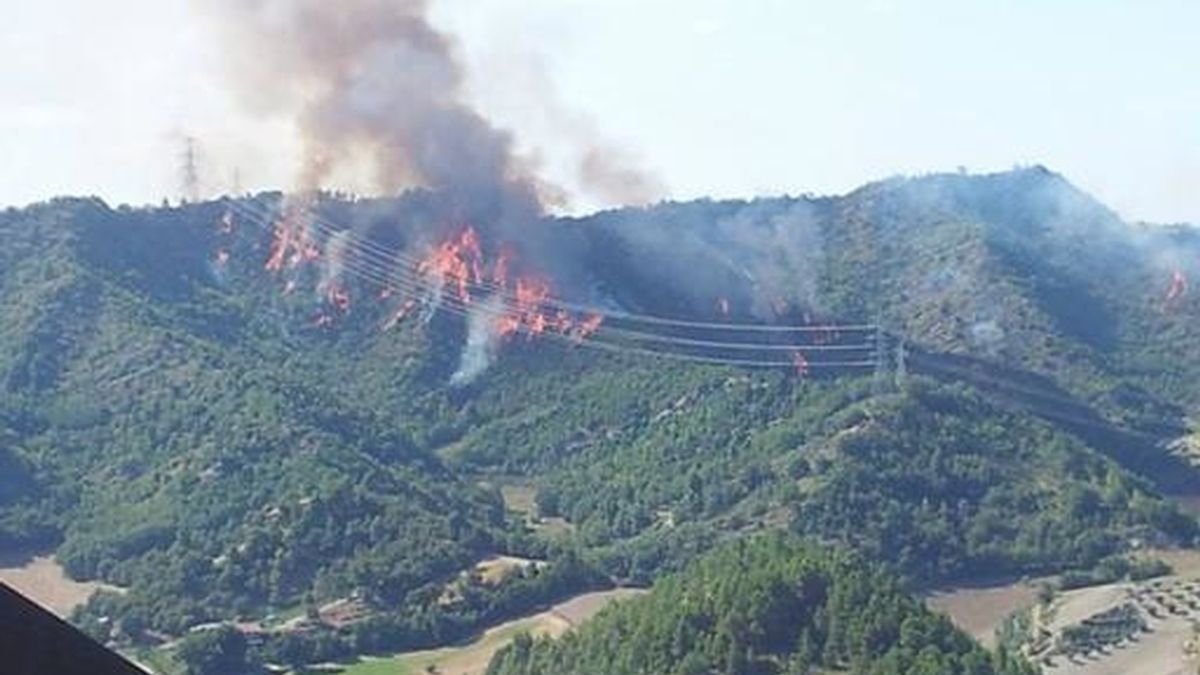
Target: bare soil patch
pixel 43 580
pixel 579 610
pixel 980 610
pixel 473 658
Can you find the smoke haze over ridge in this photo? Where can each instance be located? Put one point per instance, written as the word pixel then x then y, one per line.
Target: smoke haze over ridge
pixel 376 92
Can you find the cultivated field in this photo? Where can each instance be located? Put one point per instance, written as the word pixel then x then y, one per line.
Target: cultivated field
pixel 473 658
pixel 1128 628
pixel 42 580
pixel 979 610
pixel 1159 621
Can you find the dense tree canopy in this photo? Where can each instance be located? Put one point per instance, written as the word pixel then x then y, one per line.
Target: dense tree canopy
pixel 191 432
pixel 764 605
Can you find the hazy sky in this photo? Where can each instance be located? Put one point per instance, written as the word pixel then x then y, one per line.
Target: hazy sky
pixel 720 97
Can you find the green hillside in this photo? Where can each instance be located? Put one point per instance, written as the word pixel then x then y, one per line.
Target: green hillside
pixel 762 606
pixel 192 432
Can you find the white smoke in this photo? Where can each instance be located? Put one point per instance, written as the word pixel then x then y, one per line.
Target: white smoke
pixel 483 341
pixel 988 337
pixel 218 273
pixel 757 254
pixel 782 253
pixel 334 262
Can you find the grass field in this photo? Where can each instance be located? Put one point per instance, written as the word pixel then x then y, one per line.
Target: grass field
pixel 462 660
pixel 42 580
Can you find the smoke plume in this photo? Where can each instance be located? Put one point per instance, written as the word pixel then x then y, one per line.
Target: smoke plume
pixel 375 90
pixel 333 262
pixel 613 177
pixel 483 341
pixel 761 257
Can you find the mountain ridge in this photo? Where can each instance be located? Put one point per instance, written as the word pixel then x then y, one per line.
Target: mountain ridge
pixel 194 431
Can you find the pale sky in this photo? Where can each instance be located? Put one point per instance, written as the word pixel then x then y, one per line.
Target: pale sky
pixel 716 97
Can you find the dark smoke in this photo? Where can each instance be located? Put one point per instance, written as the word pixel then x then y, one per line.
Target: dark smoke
pixel 373 86
pixel 376 90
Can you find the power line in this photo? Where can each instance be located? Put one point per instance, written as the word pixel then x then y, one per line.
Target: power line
pixel 416 285
pixel 454 306
pixel 377 265
pixel 383 258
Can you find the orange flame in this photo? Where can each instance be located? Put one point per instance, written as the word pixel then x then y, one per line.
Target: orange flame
pixel 401 314
pixel 800 363
pixel 281 241
pixel 500 271
pixel 339 298
pixel 291 244
pixel 1177 289
pixel 458 265
pixel 588 327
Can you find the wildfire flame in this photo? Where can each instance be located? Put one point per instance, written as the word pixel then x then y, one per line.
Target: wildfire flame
pixel 1177 288
pixel 800 363
pixel 588 326
pixel 222 257
pixel 339 298
pixel 291 244
pixel 400 315
pixel 456 270
pixel 457 263
pixel 458 266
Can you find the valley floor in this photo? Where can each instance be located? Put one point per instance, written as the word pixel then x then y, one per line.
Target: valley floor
pixel 473 658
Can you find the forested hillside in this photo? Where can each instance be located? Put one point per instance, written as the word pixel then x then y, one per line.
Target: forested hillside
pixel 227 441
pixel 764 605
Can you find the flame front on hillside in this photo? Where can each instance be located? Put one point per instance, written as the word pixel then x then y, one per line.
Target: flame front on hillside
pixel 498 304
pixel 1176 290
pixel 292 243
pixel 454 275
